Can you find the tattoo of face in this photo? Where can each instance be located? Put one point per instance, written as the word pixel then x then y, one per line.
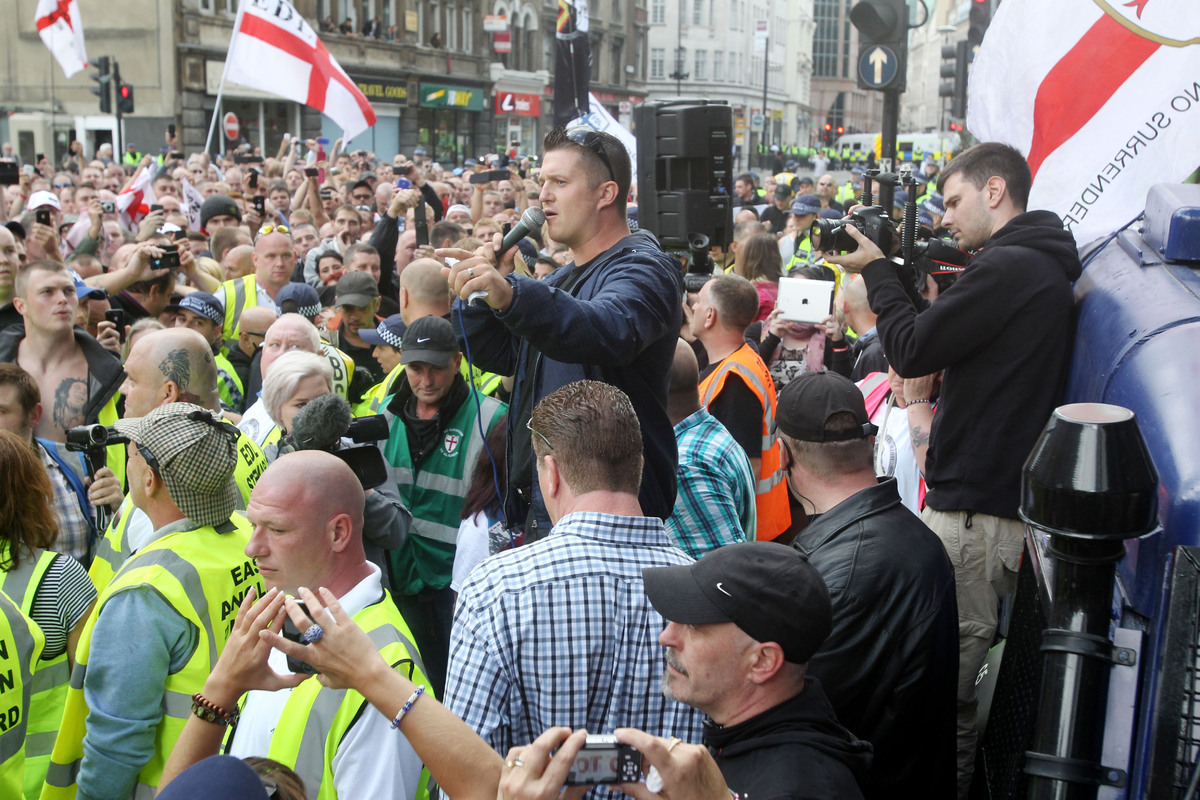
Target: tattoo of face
pixel 920 437
pixel 70 398
pixel 177 369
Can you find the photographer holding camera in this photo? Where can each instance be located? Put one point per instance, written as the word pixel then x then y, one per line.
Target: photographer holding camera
pixel 1002 334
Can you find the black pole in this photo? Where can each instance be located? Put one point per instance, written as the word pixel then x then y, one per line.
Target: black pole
pixel 766 140
pixel 891 127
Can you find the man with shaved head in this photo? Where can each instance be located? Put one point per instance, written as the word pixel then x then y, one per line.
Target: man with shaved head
pixel 168 366
pixel 238 262
pixel 867 351
pixel 424 291
pixel 274 257
pixel 307 513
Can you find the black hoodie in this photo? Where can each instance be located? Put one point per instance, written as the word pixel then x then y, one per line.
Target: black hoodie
pixel 796 750
pixel 1002 332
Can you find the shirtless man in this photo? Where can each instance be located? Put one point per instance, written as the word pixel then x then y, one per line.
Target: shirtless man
pixel 78 378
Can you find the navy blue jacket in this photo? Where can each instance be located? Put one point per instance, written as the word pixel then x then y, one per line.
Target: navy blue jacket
pixel 619 325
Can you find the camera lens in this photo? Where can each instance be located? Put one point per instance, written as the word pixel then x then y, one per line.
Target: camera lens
pixel 830 234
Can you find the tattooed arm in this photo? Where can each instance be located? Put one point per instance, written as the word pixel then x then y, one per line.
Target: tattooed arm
pixel 920 416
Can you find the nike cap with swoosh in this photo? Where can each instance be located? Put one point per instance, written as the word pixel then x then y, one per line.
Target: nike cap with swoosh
pixel 768 590
pixel 429 340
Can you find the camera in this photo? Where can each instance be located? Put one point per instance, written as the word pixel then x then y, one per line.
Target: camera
pixel 42 216
pixel 605 760
pixel 168 260
pixel 310 172
pixel 260 204
pixel 87 438
pixel 940 259
pixel 108 207
pixel 872 221
pixel 700 265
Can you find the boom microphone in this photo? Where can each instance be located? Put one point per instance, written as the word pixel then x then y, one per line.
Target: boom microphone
pixel 321 424
pixel 532 219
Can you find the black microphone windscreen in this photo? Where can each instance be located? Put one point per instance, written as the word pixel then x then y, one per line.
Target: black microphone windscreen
pixel 321 424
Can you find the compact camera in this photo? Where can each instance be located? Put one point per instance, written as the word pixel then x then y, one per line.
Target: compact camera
pixel 605 760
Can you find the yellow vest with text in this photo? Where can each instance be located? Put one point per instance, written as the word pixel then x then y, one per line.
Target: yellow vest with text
pixel 21 644
pixel 203 574
pixel 113 549
pixel 50 678
pixel 316 719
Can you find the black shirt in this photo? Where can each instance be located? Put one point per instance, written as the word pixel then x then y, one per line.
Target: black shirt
pixel 738 408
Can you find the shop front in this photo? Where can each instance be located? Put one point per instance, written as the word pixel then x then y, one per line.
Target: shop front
pixel 517 121
pixel 447 117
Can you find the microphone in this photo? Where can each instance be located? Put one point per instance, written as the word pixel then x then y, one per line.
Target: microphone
pixel 533 218
pixel 321 424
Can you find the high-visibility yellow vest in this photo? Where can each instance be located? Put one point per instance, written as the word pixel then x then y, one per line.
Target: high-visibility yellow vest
pixel 240 294
pixel 315 718
pixel 21 644
pixel 50 678
pixel 204 574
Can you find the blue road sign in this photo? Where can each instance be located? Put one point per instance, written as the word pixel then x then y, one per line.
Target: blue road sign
pixel 877 66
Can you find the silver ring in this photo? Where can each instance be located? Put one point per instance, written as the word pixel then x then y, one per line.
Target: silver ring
pixel 514 762
pixel 313 634
pixel 470 272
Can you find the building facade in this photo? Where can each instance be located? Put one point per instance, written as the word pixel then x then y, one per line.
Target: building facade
pixel 460 78
pixel 836 98
pixel 753 54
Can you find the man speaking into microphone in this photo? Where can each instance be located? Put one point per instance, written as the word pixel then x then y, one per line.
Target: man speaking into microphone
pixel 611 315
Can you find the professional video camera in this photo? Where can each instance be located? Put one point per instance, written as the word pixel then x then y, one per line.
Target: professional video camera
pixel 325 422
pixel 92 440
pixel 922 254
pixel 700 263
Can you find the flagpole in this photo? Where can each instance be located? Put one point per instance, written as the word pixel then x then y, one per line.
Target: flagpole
pixel 224 71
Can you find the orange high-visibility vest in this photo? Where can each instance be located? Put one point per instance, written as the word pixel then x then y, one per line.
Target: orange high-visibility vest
pixel 771 500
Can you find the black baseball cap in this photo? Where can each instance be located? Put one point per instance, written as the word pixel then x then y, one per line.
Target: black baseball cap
pixel 807 403
pixel 429 340
pixel 767 589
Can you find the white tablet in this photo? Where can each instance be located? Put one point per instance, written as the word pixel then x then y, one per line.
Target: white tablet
pixel 804 300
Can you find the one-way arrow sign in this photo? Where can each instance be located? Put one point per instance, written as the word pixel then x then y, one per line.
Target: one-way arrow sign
pixel 877 66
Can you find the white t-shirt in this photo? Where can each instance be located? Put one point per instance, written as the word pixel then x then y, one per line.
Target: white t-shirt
pixel 470 548
pixel 373 760
pixel 894 455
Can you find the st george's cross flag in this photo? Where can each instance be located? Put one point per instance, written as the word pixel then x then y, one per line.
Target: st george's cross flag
pixel 59 25
pixel 1102 96
pixel 135 200
pixel 275 50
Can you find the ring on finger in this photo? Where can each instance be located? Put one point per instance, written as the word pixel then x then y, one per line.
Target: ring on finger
pixel 470 272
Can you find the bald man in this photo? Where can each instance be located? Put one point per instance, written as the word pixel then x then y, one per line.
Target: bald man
pixel 274 258
pixel 307 513
pixel 251 334
pixel 238 261
pixel 424 291
pixel 867 351
pixel 167 366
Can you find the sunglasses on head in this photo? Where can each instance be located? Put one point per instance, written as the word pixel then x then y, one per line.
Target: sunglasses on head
pixel 593 141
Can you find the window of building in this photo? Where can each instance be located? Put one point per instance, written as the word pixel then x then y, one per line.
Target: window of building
pixel 697 12
pixel 618 62
pixel 701 65
pixel 718 66
pixel 658 62
pixel 825 38
pixel 658 12
pixel 597 43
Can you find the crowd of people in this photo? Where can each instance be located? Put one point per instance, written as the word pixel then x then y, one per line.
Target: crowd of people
pixel 314 488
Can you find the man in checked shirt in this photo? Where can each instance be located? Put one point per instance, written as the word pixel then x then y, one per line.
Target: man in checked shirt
pixel 560 632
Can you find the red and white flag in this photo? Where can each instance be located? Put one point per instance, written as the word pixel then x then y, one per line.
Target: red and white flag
pixel 275 50
pixel 190 204
pixel 1103 97
pixel 61 28
pixel 134 202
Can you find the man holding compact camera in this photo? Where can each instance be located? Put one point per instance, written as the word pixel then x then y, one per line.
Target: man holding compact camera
pixel 742 623
pixel 1002 335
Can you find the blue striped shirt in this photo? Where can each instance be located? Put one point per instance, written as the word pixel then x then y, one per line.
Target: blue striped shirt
pixel 560 632
pixel 714 505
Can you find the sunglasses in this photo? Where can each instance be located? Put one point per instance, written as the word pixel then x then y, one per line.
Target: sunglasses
pixel 529 425
pixel 592 141
pixel 265 229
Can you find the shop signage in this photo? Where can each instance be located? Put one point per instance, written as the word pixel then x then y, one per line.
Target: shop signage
pixel 435 95
pixel 520 105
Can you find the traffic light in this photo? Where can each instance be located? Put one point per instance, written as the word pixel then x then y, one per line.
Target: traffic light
pixel 125 98
pixel 883 23
pixel 979 18
pixel 828 135
pixel 840 130
pixel 954 65
pixel 103 87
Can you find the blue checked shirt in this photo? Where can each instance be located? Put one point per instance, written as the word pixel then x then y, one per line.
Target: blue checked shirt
pixel 714 505
pixel 560 632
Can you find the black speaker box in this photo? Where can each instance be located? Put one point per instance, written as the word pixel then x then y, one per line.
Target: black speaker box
pixel 685 170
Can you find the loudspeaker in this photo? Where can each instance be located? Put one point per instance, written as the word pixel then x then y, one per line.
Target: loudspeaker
pixel 685 170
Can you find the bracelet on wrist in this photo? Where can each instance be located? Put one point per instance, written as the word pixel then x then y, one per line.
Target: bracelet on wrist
pixel 917 401
pixel 211 712
pixel 412 698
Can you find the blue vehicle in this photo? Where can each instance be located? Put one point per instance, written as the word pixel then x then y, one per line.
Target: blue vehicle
pixel 1098 688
